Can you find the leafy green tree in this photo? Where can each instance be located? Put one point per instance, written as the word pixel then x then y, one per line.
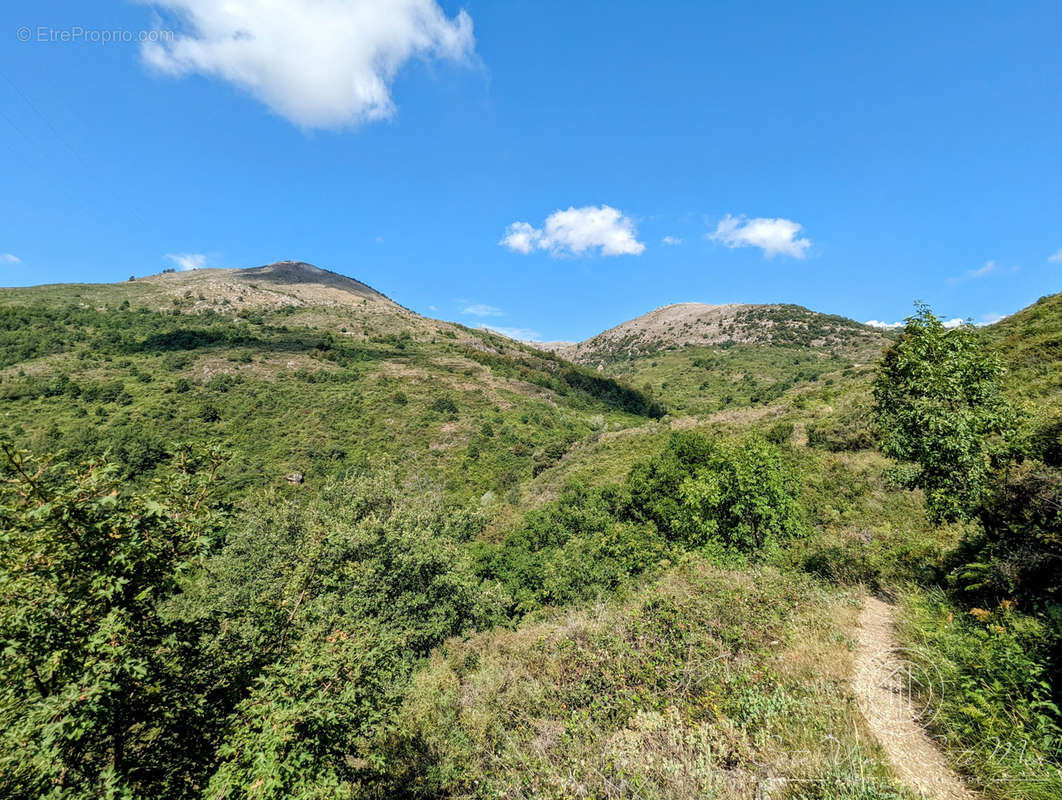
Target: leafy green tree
pixel 939 406
pixel 93 696
pixel 741 497
pixel 700 491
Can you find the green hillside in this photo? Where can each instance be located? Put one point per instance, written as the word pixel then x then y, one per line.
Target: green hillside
pixel 290 539
pixel 1031 343
pixel 296 376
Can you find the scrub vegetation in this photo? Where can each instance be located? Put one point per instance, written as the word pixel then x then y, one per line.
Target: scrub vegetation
pixel 270 535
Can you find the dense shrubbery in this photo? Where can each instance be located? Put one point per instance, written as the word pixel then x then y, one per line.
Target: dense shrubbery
pixel 273 664
pixel 736 495
pixel 727 498
pixel 100 695
pixel 997 713
pixel 329 604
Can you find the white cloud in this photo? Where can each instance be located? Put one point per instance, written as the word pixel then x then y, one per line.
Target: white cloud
pixel 575 231
pixel 989 268
pixel 187 260
pixel 948 323
pixel 520 334
pixel 980 272
pixel 482 310
pixel 317 63
pixel 773 236
pixel 9 258
pixel 671 240
pixel 1055 256
pixel 992 317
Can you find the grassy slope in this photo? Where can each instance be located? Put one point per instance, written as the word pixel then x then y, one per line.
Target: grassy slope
pixel 319 381
pixel 1031 343
pixel 573 696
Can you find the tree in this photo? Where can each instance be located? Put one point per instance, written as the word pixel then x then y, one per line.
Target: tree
pixel 740 498
pixel 93 699
pixel 939 407
pixel 699 491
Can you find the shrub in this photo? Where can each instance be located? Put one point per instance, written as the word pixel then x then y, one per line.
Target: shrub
pixel 741 498
pixel 699 491
pixel 98 684
pixel 780 432
pixel 842 432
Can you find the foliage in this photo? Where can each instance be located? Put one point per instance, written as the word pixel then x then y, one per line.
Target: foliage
pixel 741 497
pixel 95 700
pixel 734 494
pixel 780 433
pixel 327 605
pixel 1018 552
pixel 842 432
pixel 995 709
pixel 572 549
pixel 939 405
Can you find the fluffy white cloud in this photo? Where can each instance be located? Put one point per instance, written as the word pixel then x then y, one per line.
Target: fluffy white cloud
pixel 318 63
pixel 520 334
pixel 1055 256
pixel 482 310
pixel 991 317
pixel 187 260
pixel 9 258
pixel 575 231
pixel 874 323
pixel 953 323
pixel 773 236
pixel 671 240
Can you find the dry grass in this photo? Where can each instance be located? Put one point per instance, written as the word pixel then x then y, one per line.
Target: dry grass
pixel 705 684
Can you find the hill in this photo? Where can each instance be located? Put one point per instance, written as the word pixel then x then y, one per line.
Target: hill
pixel 295 370
pixel 1030 341
pixel 282 284
pixel 700 359
pixel 698 324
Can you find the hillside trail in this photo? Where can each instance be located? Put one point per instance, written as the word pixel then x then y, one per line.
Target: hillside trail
pixel 884 682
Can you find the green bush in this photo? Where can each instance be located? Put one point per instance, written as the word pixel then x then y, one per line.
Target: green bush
pixel 996 708
pixel 842 433
pixel 780 433
pixel 700 491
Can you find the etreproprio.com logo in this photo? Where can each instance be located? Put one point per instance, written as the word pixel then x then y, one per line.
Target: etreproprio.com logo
pixel 76 34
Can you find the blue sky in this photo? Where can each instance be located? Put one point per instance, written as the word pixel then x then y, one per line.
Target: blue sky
pixel 850 157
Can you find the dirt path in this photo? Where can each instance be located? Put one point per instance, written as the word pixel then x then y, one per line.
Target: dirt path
pixel 884 681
